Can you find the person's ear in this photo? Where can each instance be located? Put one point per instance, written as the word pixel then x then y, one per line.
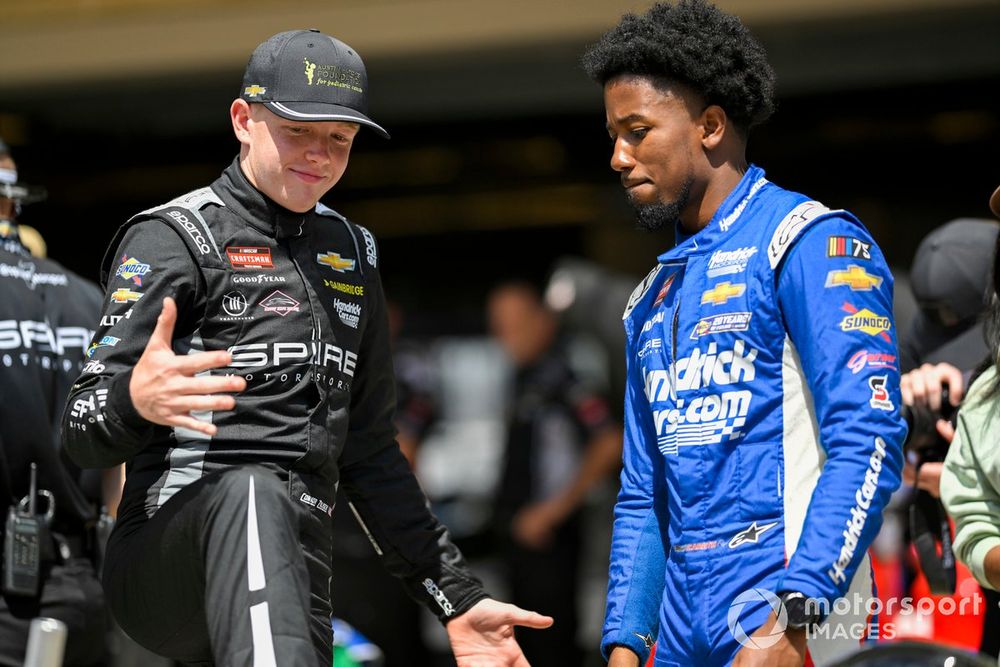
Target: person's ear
pixel 239 112
pixel 714 124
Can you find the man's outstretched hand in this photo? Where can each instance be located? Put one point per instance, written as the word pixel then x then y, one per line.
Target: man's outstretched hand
pixel 164 388
pixel 484 635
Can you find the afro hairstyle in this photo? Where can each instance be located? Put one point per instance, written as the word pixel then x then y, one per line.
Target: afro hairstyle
pixel 696 44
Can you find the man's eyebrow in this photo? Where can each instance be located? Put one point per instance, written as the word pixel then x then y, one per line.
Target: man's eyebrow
pixel 626 119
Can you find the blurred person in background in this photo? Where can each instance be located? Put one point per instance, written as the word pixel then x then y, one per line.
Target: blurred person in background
pixel 222 549
pixel 970 479
pixel 757 464
pixel 561 442
pixel 950 280
pixel 47 316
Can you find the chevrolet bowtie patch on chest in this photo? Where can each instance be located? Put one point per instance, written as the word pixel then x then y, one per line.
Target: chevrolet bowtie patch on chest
pixel 854 277
pixel 125 295
pixel 334 261
pixel 722 293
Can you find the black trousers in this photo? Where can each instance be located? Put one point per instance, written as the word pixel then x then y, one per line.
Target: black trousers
pixel 233 570
pixel 70 593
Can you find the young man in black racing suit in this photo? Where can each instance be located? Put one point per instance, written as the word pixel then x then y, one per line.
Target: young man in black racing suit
pixel 221 553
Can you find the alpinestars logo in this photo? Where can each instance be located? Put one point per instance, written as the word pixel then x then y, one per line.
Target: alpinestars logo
pixel 751 535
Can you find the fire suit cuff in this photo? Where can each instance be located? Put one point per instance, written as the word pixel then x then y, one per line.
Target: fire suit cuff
pixel 120 407
pixel 977 559
pixel 452 593
pixel 641 646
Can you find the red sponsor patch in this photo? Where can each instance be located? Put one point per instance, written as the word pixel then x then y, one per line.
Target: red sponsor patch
pixel 244 257
pixel 663 291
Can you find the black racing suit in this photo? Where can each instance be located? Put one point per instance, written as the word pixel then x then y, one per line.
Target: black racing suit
pixel 46 319
pixel 297 299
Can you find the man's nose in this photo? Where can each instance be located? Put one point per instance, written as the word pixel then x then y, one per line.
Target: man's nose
pixel 320 149
pixel 621 156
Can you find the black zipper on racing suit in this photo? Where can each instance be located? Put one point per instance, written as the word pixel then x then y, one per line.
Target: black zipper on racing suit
pixel 674 324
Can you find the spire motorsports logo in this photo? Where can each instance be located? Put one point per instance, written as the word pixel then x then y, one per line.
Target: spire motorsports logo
pixel 754 597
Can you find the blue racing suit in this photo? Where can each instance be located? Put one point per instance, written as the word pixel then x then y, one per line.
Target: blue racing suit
pixel 763 434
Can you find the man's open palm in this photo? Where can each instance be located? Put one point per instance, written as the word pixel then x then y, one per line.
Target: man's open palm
pixel 484 635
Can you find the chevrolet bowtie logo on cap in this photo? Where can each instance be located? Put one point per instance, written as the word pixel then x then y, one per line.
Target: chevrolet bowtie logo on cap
pixel 335 262
pixel 254 90
pixel 854 277
pixel 722 293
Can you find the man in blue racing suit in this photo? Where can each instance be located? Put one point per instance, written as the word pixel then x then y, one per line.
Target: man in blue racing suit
pixel 763 434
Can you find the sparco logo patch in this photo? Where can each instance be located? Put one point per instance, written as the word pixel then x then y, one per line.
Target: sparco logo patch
pixel 243 257
pixel 439 597
pixel 192 230
pixel 370 247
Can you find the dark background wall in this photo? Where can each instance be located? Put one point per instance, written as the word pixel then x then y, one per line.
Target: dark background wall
pixel 499 158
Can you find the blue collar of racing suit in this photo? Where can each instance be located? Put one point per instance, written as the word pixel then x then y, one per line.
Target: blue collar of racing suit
pixel 725 217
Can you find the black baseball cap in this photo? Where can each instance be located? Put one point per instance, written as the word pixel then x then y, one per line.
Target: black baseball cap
pixel 950 277
pixel 309 76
